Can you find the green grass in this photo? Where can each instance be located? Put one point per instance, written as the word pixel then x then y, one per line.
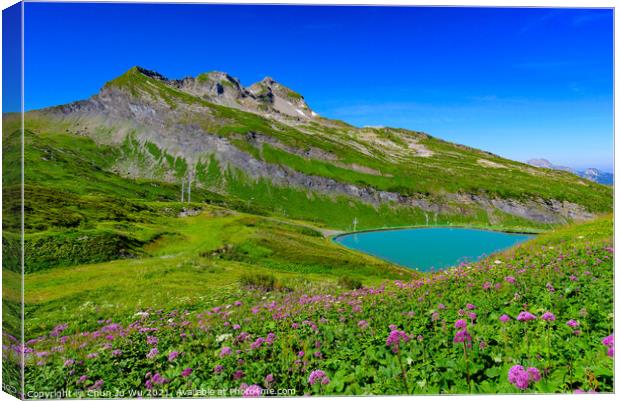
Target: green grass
pixel 340 211
pixel 351 326
pixel 200 257
pixel 79 211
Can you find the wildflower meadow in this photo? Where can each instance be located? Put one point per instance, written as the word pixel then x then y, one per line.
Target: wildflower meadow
pixel 538 318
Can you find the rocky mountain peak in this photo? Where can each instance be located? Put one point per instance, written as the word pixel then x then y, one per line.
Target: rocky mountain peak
pixel 268 81
pixel 268 84
pixel 540 163
pixel 149 73
pixel 266 97
pixel 281 98
pixel 544 163
pixel 218 76
pixel 214 86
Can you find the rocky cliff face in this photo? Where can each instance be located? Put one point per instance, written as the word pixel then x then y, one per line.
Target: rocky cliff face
pixel 267 131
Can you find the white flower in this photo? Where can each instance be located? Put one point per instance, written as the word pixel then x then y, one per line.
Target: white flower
pixel 223 337
pixel 498 262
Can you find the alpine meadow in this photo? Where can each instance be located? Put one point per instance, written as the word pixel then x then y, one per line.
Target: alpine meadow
pixel 180 239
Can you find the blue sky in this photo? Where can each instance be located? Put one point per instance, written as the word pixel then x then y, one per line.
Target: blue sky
pixel 522 83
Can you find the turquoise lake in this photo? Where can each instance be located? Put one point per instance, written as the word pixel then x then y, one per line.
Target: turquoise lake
pixel 428 249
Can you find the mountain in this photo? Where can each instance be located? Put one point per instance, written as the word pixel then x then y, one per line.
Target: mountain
pixel 262 149
pixel 591 174
pixel 596 175
pixel 544 163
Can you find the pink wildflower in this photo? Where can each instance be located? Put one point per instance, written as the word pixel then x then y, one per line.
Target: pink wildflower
pixel 548 316
pixel 463 336
pixel 317 376
pixel 225 351
pixel 58 329
pixel 525 317
pixel 253 391
pixel 518 376
pixel 608 341
pixel 257 343
pixel 238 375
pixel 533 374
pixel 97 385
pixel 152 353
pixel 394 339
pixel 522 378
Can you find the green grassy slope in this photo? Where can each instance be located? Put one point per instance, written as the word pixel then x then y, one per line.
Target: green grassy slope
pixel 79 211
pixel 198 258
pixel 568 272
pixel 389 153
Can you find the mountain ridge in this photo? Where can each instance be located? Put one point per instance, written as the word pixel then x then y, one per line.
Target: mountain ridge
pixel 212 133
pixel 266 95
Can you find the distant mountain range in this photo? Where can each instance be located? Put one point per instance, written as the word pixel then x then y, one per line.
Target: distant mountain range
pixel 591 174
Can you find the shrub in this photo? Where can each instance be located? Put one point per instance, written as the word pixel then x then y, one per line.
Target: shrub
pixel 350 283
pixel 265 282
